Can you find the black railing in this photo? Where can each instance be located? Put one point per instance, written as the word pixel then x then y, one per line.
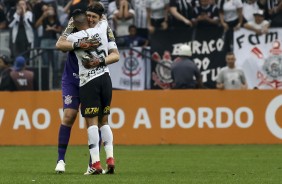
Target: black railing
pixel 49 77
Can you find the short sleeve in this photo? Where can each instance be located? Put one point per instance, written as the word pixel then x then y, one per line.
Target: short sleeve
pixel 238 3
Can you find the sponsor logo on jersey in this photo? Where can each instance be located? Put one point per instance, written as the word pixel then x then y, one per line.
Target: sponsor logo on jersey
pixel 107 110
pixel 91 110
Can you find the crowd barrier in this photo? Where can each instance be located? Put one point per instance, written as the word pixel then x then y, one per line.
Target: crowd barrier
pixel 151 117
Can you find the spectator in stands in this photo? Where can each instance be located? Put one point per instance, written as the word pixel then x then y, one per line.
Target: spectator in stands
pixel 22 30
pixel 231 18
pixel 230 12
pixel 110 14
pixel 123 17
pixel 157 14
pixel 206 15
pixel 17 78
pixel 38 9
pixel 249 8
pixel 259 25
pixel 182 13
pixel 51 26
pixel 133 40
pixel 231 77
pixel 184 72
pixel 275 12
pixel 140 20
pixel 3 19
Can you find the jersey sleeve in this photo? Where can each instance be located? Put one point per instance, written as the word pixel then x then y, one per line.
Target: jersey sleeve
pixel 72 38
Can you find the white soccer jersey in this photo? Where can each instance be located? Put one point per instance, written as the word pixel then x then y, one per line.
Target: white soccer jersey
pixel 100 32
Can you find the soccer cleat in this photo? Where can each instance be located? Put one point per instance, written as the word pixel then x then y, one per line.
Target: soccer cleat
pixel 60 168
pixel 88 170
pixel 94 169
pixel 110 166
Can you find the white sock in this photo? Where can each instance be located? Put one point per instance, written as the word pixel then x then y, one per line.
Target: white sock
pixel 93 143
pixel 107 137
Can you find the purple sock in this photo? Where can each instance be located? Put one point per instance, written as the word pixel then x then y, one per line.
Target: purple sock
pixel 64 137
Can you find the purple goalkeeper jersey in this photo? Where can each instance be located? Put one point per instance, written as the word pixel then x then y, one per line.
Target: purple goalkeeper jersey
pixel 70 74
pixel 70 83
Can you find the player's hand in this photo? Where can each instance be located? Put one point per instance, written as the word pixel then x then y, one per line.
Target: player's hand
pixel 92 62
pixel 83 44
pixel 94 42
pixel 86 44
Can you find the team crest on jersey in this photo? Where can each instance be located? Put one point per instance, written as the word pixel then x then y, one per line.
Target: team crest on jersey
pixel 131 66
pixel 68 100
pixel 162 74
pixel 271 74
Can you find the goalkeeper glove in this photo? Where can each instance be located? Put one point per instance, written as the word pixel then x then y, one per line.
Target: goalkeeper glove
pixel 85 44
pixel 88 61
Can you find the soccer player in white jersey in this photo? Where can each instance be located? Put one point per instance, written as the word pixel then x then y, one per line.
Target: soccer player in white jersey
pixel 95 90
pixel 70 84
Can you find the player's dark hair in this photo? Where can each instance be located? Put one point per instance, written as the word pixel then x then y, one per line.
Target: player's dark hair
pixel 97 8
pixel 79 18
pixel 77 12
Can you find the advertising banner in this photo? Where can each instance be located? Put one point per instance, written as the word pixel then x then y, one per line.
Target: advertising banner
pixel 151 117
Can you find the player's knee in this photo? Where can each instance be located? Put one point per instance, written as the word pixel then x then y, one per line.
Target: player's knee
pixel 69 119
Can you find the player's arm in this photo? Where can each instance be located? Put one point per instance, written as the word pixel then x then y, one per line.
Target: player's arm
pixel 65 45
pixel 62 43
pixel 113 57
pixel 92 61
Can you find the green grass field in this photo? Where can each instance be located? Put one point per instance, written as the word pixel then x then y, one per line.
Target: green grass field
pixel 171 164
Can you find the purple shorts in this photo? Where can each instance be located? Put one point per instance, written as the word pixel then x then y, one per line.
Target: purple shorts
pixel 70 96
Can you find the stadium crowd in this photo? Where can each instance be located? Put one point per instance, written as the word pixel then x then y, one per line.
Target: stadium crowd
pixel 38 23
